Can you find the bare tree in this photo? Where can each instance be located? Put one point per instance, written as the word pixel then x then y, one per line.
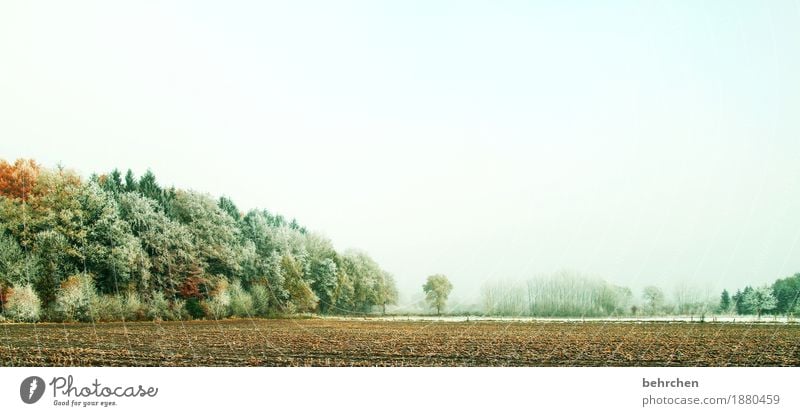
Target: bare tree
pixel 654 298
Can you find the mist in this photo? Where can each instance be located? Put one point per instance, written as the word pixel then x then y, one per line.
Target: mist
pixel 644 144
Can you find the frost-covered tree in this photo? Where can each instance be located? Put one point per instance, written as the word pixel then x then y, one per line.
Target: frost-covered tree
pixel 342 298
pixel 13 262
pixel 509 297
pixel 760 300
pixel 323 282
pixel 23 304
pixel 301 297
pixel 173 250
pixel 113 253
pixel 77 299
pixel 366 278
pixel 437 288
pixel 241 301
pixel 214 232
pixel 171 254
pixel 219 302
pixel 229 207
pixel 388 291
pixel 654 298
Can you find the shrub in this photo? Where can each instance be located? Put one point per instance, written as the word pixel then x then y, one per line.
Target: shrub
pixel 110 308
pixel 241 301
pixel 194 307
pixel 133 308
pixel 23 304
pixel 158 307
pixel 218 305
pixel 77 299
pixel 260 296
pixel 178 310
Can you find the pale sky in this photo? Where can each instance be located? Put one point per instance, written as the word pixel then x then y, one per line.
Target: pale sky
pixel 640 141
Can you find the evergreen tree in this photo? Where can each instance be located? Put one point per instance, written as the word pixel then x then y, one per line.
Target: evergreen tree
pixel 148 186
pixel 724 301
pixel 131 185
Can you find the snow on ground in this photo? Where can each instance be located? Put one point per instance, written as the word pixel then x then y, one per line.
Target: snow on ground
pixel 639 319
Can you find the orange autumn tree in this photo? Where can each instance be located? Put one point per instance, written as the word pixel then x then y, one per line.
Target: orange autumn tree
pixel 17 180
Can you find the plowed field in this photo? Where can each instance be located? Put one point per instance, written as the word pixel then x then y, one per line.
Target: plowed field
pixel 332 342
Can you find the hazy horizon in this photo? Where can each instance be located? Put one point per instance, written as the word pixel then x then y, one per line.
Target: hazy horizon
pixel 643 143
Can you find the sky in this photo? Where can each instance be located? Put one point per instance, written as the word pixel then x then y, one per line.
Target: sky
pixel 639 142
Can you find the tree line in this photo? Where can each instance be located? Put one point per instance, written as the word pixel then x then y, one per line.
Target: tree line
pixel 780 298
pixel 568 294
pixel 122 247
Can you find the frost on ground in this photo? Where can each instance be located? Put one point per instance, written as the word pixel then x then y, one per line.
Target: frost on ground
pixel 468 318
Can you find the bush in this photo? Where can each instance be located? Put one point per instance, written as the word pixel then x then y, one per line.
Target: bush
pixel 260 297
pixel 178 310
pixel 218 305
pixel 194 307
pixel 241 301
pixel 77 299
pixel 23 304
pixel 158 308
pixel 133 308
pixel 110 308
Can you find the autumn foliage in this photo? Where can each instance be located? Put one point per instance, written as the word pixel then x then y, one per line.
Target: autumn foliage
pixel 17 180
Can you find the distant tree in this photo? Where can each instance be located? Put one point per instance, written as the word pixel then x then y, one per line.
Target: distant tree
pixel 760 299
pixel 724 301
pixel 437 288
pixel 787 294
pixel 342 297
pixel 736 301
pixel 743 307
pixel 389 294
pixel 654 298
